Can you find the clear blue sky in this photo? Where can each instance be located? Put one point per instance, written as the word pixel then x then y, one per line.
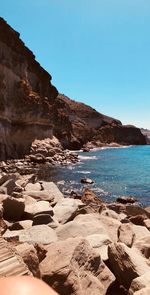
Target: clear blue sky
pixel 97 51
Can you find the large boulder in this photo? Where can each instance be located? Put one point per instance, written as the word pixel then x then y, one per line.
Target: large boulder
pixel 41 207
pixel 30 258
pixel 89 224
pixel 66 209
pixel 126 263
pixel 37 234
pixel 13 208
pixel 110 225
pixel 47 188
pixel 73 267
pixel 39 195
pixel 81 228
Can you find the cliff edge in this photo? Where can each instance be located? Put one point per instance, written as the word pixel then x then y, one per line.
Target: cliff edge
pixel 78 123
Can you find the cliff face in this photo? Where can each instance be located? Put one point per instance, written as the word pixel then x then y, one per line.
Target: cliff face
pixel 26 95
pixel 78 123
pixel 30 106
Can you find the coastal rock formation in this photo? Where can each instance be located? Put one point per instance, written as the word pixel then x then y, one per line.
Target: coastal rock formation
pixel 25 93
pixel 78 123
pixel 31 109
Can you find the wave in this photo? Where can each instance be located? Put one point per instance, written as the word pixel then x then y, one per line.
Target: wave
pixel 87 157
pixel 82 172
pixel 110 147
pixel 70 167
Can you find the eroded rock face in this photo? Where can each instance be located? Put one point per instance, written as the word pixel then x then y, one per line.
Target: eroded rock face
pixel 78 123
pixel 25 96
pixel 126 263
pixel 73 267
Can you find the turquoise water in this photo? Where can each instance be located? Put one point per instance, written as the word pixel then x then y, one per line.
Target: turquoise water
pixel 116 172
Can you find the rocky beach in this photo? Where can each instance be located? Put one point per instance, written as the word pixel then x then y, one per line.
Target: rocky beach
pixel 78 243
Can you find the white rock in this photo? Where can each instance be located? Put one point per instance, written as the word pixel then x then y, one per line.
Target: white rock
pixel 41 207
pixel 65 209
pixel 36 234
pixel 100 243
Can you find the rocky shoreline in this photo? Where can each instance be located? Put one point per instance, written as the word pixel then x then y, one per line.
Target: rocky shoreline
pixel 77 244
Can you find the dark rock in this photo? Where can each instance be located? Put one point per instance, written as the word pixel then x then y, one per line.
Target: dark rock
pixel 126 199
pixel 13 208
pixel 38 158
pixel 42 219
pixel 75 195
pixel 85 149
pixel 138 219
pixel 87 181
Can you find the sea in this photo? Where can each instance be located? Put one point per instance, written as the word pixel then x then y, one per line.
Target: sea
pixel 123 171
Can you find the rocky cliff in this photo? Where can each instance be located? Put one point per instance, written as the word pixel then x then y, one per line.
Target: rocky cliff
pixel 26 95
pixel 30 107
pixel 78 123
